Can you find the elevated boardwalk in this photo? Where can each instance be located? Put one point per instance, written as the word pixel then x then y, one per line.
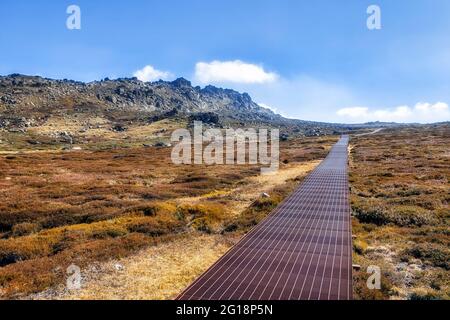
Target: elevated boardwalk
pixel 302 251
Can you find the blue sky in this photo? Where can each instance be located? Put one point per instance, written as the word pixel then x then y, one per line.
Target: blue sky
pixel 313 60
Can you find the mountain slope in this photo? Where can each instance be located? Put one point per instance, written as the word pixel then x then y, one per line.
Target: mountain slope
pixel 36 98
pixel 36 111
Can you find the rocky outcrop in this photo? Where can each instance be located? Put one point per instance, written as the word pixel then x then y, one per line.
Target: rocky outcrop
pixel 30 100
pixel 23 95
pixel 206 117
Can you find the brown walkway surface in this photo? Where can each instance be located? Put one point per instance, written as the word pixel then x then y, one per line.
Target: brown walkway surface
pixel 301 251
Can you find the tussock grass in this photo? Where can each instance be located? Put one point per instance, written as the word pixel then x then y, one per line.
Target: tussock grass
pixel 399 196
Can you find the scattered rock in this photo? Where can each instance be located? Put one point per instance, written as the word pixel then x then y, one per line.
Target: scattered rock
pixel 119 128
pixel 33 142
pixel 7 100
pixel 64 137
pixel 205 117
pixel 401 266
pixel 111 99
pixel 162 145
pixel 119 267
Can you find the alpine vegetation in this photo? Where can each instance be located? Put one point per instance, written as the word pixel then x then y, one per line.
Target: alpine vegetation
pixel 229 149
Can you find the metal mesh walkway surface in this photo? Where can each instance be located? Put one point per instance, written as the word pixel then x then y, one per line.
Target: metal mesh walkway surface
pixel 301 251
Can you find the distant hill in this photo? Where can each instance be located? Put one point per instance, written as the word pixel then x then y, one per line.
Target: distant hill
pixel 69 108
pixel 33 101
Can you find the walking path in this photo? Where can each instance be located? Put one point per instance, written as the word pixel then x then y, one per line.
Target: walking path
pixel 302 251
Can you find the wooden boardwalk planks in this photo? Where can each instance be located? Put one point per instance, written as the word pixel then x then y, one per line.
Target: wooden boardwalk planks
pixel 302 251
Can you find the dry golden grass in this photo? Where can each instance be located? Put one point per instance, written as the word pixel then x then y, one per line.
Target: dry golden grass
pixel 156 273
pixel 87 132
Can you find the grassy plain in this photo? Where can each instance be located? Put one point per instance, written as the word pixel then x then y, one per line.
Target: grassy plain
pixel 400 199
pixel 101 204
pixel 142 228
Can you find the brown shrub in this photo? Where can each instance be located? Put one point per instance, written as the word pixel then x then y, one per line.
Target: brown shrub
pixel 24 229
pixel 257 211
pixel 38 274
pixel 376 212
pixel 432 254
pixel 205 217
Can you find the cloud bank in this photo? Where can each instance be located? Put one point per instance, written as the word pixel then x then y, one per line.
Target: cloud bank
pixel 421 112
pixel 232 72
pixel 302 97
pixel 149 73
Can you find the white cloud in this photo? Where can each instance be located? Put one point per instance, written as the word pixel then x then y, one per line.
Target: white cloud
pixel 232 72
pixel 303 97
pixel 149 73
pixel 355 112
pixel 274 110
pixel 421 112
pixel 265 106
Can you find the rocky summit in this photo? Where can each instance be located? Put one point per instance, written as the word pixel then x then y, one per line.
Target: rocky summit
pixel 65 109
pixel 31 99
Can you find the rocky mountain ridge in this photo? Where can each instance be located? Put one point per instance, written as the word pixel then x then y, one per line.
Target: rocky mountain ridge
pixel 64 109
pixel 35 98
